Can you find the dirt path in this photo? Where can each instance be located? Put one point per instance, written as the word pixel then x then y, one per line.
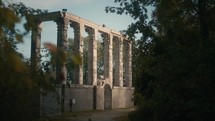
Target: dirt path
pixel 101 115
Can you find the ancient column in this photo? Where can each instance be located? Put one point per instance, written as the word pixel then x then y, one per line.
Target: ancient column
pixel 61 70
pixel 108 57
pixel 78 50
pixel 128 62
pixel 92 56
pixel 105 39
pixel 110 49
pixel 36 45
pixel 118 61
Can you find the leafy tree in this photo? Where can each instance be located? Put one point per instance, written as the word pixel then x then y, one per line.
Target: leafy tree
pixel 19 88
pixel 20 83
pixel 173 61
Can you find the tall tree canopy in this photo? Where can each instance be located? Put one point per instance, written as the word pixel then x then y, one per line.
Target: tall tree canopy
pixel 19 87
pixel 173 61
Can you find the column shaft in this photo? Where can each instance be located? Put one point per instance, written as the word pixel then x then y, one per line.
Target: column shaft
pixel 61 71
pixel 106 54
pixel 78 50
pixel 111 59
pixel 127 64
pixel 118 62
pixel 36 45
pixel 92 56
pixel 108 57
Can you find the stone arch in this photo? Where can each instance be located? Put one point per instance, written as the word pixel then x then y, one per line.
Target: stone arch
pixel 107 97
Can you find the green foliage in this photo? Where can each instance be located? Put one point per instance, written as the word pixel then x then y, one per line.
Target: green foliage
pixel 173 61
pixel 19 87
pixel 71 58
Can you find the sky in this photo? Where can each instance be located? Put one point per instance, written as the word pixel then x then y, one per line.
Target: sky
pixel 93 10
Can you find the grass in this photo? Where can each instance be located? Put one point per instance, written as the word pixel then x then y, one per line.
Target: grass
pixel 122 118
pixel 68 115
pixel 74 116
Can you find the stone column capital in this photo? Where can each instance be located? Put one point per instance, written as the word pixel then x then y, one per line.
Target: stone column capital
pixel 74 25
pixel 90 30
pixel 105 36
pixel 37 25
pixel 62 23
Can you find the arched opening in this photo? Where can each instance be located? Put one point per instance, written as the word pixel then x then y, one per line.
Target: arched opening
pixel 107 97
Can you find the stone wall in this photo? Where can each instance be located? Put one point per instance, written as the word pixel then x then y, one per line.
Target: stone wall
pixel 122 97
pixel 83 96
pixel 99 98
pixel 51 102
pixel 88 97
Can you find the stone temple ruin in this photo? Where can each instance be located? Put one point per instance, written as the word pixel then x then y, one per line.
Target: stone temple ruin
pixel 112 91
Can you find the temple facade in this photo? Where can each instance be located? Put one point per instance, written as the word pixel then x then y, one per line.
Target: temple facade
pixel 111 90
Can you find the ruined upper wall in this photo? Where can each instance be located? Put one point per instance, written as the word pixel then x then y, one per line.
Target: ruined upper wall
pixel 53 16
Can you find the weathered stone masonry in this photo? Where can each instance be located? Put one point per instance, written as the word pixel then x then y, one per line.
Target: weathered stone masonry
pixel 111 93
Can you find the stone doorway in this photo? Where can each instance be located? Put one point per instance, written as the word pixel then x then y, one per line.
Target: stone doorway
pixel 107 97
